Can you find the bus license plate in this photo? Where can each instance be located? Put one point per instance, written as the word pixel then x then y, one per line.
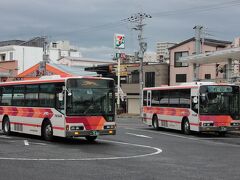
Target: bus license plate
pixel 223 129
pixel 94 133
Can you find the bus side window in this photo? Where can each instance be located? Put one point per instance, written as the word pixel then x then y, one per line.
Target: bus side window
pixel 59 100
pixel 47 95
pixel 7 96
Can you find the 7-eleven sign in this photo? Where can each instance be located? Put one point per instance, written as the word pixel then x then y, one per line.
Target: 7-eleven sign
pixel 119 41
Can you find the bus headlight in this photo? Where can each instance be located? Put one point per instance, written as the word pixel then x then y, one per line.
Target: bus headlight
pixel 207 124
pixel 109 127
pixel 235 124
pixel 76 128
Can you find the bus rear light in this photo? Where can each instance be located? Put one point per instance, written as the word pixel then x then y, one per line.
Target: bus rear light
pixel 110 132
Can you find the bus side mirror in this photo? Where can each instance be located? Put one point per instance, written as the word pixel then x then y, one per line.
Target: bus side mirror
pixel 195 99
pixel 60 96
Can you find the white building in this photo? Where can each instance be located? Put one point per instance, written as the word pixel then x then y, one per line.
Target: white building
pixel 163 52
pixel 59 49
pixel 84 62
pixel 149 57
pixel 25 55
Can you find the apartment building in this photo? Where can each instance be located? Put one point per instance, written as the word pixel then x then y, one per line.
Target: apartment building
pixel 183 72
pixel 163 52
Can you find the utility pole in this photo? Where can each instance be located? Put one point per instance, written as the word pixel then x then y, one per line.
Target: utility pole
pixel 138 19
pixel 198 33
pixel 43 64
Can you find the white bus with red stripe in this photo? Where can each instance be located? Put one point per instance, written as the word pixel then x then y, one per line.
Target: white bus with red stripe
pixel 199 107
pixel 64 107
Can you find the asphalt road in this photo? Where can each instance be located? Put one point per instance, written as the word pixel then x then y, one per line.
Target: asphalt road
pixel 136 152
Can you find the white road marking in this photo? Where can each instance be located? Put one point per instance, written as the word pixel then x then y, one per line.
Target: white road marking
pixel 139 135
pixel 5 137
pixel 43 144
pixel 26 143
pixel 167 134
pixel 183 137
pixel 156 151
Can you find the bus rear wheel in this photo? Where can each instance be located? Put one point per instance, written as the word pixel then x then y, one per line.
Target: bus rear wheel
pixel 47 131
pixel 155 122
pixel 6 126
pixel 91 138
pixel 186 127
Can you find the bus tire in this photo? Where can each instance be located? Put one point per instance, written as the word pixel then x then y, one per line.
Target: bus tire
pixel 6 126
pixel 155 123
pixel 47 131
pixel 91 138
pixel 186 127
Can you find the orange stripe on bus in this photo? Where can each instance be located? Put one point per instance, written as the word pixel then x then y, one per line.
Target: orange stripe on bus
pixel 26 112
pixel 167 111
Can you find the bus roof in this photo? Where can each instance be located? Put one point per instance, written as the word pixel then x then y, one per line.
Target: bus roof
pixel 186 85
pixel 50 79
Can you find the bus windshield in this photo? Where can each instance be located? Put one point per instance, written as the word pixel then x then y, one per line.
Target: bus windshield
pixel 220 100
pixel 90 97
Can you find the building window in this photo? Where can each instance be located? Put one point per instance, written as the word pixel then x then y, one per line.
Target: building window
pixel 149 79
pixel 135 76
pixel 54 45
pixel 11 56
pixel 2 57
pixel 177 56
pixel 181 78
pixel 207 76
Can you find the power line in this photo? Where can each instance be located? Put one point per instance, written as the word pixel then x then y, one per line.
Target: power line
pixel 198 9
pixel 120 23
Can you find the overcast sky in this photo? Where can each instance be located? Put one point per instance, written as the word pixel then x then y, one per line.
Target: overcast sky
pixel 91 24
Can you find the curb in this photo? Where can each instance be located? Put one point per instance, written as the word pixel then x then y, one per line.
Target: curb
pixel 234 132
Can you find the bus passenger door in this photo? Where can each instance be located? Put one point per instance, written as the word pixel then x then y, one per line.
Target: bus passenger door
pixel 149 98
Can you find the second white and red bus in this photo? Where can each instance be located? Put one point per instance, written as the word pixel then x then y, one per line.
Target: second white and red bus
pixel 199 107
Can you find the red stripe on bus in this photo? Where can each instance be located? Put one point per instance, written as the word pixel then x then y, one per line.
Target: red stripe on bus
pixel 59 128
pixel 26 124
pixel 172 121
pixel 37 125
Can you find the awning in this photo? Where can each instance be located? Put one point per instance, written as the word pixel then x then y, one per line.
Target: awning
pixel 213 57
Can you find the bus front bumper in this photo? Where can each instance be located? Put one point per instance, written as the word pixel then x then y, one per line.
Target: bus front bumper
pixel 90 133
pixel 218 129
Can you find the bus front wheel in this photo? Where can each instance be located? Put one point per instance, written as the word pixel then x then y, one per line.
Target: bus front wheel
pixel 47 131
pixel 91 138
pixel 186 127
pixel 6 126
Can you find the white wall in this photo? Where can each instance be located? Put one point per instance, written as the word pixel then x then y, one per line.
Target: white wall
pixel 27 56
